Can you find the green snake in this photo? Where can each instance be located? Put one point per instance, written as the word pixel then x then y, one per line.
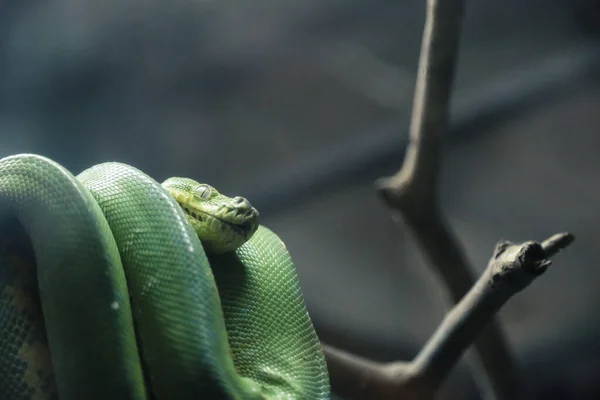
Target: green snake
pixel 113 286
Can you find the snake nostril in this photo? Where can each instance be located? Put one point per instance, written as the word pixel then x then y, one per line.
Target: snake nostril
pixel 241 203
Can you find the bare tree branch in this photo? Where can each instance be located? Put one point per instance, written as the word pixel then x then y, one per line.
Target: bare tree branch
pixel 354 377
pixel 511 269
pixel 414 191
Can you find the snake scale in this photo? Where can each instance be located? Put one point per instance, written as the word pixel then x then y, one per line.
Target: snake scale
pixel 109 290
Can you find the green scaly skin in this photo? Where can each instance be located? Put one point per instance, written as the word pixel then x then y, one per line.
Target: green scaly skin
pixel 106 292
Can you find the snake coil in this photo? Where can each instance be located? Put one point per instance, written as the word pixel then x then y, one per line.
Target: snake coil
pixel 106 292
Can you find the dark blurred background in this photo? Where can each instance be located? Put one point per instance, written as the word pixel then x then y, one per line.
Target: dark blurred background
pixel 300 105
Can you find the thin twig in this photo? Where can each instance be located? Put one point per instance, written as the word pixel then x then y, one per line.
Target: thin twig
pixel 414 191
pixel 511 268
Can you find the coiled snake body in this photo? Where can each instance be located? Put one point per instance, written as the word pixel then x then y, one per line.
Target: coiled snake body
pixel 106 292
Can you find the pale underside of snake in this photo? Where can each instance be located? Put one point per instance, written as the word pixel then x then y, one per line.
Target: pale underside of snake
pixel 113 286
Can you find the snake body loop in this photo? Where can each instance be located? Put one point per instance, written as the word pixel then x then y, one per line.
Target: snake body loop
pixel 106 292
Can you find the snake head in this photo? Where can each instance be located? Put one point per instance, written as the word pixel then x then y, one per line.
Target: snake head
pixel 222 223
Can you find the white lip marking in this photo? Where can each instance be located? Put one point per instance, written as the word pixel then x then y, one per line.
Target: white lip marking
pixel 114 305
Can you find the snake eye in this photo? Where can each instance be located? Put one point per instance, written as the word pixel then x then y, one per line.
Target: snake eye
pixel 203 191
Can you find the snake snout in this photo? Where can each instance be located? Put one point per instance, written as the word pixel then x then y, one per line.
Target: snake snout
pixel 245 209
pixel 241 203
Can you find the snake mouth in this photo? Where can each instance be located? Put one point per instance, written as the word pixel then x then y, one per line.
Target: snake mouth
pixel 239 223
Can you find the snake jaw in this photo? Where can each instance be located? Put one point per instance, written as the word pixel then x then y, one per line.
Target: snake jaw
pixel 221 234
pixel 222 223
